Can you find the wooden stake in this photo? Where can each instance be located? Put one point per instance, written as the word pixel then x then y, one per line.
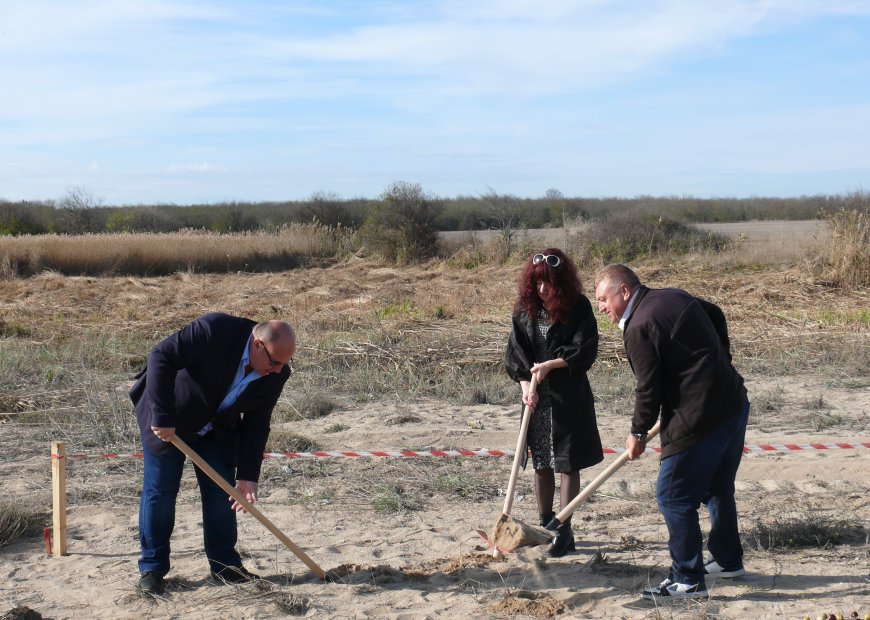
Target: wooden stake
pixel 58 497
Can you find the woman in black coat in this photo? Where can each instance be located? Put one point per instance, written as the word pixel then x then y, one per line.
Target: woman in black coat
pixel 555 337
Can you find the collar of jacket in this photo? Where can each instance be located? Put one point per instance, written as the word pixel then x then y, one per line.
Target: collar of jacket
pixel 638 298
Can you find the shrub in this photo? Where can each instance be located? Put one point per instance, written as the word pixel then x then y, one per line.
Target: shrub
pixel 805 530
pixel 630 235
pixel 17 520
pixel 401 227
pixel 287 441
pixel 312 405
pixel 393 498
pixel 846 261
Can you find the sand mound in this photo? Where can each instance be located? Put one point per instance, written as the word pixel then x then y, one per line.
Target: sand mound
pixel 527 604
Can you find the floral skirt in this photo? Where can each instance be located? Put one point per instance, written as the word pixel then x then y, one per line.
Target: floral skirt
pixel 540 436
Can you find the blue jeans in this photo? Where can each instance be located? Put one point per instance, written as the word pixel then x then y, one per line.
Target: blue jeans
pixel 160 484
pixel 703 473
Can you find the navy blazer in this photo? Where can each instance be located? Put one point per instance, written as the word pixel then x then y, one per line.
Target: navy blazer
pixel 187 377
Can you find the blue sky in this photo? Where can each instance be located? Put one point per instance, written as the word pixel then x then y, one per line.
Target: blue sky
pixel 182 102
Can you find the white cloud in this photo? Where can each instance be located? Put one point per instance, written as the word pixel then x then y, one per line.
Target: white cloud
pixel 261 85
pixel 202 168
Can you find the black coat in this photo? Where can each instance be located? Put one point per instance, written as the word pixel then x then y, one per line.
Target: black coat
pixel 186 379
pixel 576 442
pixel 677 346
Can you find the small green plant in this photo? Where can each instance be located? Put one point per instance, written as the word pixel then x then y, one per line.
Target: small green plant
pixel 336 428
pixel 393 498
pixel 859 317
pixel 307 468
pixel 828 420
pixel 463 485
pixel 14 329
pixel 816 403
pixel 404 308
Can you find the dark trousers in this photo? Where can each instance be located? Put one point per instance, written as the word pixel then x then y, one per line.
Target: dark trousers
pixel 703 473
pixel 160 484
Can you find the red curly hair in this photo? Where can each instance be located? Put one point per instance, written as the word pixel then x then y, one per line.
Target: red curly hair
pixel 564 280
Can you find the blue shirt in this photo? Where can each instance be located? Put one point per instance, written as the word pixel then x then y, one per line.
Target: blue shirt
pixel 238 385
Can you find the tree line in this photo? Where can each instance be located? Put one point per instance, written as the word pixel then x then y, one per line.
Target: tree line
pixel 80 212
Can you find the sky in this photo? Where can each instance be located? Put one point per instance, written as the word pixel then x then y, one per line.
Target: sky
pixel 206 102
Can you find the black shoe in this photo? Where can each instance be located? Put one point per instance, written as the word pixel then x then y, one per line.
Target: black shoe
pixel 564 541
pixel 546 518
pixel 234 575
pixel 151 582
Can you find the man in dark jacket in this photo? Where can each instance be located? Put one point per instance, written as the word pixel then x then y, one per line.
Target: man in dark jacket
pixel 678 349
pixel 214 383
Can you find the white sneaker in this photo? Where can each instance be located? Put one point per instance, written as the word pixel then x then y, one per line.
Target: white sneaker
pixel 669 589
pixel 714 570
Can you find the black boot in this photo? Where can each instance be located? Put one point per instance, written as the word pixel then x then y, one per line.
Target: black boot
pixel 546 517
pixel 564 541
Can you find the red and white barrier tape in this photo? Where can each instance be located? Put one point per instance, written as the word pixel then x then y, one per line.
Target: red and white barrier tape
pixel 767 447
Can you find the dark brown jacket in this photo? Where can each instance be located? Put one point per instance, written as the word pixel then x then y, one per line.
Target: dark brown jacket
pixel 682 365
pixel 576 442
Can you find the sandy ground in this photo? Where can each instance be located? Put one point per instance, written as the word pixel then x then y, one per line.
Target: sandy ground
pixel 429 562
pixel 401 532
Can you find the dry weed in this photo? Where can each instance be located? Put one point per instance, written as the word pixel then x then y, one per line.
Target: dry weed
pixel 148 254
pixel 17 520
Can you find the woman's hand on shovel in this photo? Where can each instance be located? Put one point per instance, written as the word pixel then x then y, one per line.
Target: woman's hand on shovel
pixel 542 369
pixel 249 490
pixel 529 398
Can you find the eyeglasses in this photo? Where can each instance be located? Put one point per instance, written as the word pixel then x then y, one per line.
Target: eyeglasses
pixel 551 259
pixel 272 362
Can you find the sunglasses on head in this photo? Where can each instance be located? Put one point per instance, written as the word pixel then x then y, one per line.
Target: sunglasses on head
pixel 551 259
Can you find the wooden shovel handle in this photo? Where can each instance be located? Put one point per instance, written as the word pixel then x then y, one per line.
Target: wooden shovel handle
pixel 520 452
pixel 590 488
pixel 234 493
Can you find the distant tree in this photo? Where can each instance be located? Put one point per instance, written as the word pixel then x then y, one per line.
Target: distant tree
pixel 401 225
pixel 24 218
pixel 120 221
pixel 235 217
pixel 508 215
pixel 327 208
pixel 556 207
pixel 79 213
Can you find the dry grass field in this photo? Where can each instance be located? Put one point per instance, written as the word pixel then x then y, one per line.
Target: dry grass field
pixel 410 358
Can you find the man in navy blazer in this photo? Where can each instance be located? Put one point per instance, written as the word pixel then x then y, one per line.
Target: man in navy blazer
pixel 214 383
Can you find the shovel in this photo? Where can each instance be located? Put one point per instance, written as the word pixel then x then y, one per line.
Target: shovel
pixel 234 493
pixel 509 534
pixel 518 458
